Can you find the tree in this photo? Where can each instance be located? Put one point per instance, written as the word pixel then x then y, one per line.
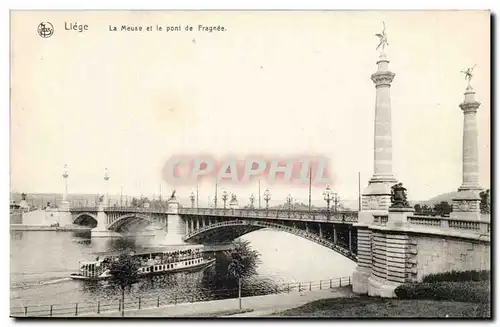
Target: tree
pixel 418 208
pixel 124 273
pixel 134 202
pixel 426 210
pixel 485 205
pixel 443 208
pixel 235 269
pixel 243 263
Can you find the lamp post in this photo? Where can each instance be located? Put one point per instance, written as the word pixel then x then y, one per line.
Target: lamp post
pixel 327 195
pixel 224 198
pixel 289 200
pixel 252 199
pixel 192 196
pixel 267 197
pixel 336 200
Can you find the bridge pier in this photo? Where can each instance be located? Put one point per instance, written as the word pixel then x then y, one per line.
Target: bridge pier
pixel 101 229
pixel 175 225
pixel 64 214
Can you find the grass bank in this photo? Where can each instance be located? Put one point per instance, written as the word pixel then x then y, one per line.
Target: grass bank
pixel 369 307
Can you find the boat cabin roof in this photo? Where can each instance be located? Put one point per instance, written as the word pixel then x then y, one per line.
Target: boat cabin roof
pixel 150 250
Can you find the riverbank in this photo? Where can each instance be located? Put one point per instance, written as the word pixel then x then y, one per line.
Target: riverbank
pixel 69 228
pixel 253 305
pixel 370 307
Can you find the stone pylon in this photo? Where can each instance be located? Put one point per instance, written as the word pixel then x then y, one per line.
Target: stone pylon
pixel 64 207
pixel 176 226
pixel 64 204
pixel 376 197
pixel 466 205
pixel 106 179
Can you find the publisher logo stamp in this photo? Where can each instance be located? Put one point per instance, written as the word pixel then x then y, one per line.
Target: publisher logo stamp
pixel 45 30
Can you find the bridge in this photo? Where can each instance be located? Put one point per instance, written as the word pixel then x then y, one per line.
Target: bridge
pixel 220 226
pixel 390 244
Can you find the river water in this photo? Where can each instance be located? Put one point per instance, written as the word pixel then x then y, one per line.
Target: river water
pixel 41 262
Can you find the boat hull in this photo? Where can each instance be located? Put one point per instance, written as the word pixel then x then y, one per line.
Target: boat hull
pixel 205 264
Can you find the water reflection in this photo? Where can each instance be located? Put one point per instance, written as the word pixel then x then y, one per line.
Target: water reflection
pixel 41 263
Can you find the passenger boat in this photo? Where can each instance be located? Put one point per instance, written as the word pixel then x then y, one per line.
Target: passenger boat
pixel 158 261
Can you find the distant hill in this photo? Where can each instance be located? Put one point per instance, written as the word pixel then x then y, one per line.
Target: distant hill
pixel 440 198
pixel 41 199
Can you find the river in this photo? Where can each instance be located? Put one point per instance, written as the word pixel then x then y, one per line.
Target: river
pixel 41 262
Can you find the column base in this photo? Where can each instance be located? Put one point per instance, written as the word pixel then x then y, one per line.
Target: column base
pixel 360 281
pixel 63 206
pixel 466 205
pixel 64 218
pixel 383 178
pixel 382 288
pixel 104 234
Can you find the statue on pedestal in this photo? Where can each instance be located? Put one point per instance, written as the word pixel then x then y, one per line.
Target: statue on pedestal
pixel 398 196
pixel 383 39
pixel 468 73
pixel 172 196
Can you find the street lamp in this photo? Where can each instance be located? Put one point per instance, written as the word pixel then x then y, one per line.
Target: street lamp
pixel 327 195
pixel 252 199
pixel 192 197
pixel 336 200
pixel 267 197
pixel 289 200
pixel 224 198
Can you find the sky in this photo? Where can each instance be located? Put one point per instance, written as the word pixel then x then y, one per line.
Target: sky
pixel 274 83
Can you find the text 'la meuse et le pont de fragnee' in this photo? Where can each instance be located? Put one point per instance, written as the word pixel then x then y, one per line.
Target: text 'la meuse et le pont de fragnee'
pixel 75 26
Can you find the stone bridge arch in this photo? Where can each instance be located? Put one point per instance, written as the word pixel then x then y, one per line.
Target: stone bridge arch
pixel 227 231
pixel 85 219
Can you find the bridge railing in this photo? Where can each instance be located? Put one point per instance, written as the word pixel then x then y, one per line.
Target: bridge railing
pixel 316 215
pixel 320 215
pixel 119 209
pixel 92 308
pixel 89 209
pixel 440 223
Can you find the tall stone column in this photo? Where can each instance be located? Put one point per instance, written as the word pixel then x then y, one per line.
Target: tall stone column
pixel 106 179
pixel 466 205
pixel 65 176
pixel 64 207
pixel 376 197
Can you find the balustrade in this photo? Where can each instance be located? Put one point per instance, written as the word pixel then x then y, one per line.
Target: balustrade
pixel 317 215
pixel 445 223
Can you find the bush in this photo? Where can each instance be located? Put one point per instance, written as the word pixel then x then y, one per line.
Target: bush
pixel 458 276
pixel 476 292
